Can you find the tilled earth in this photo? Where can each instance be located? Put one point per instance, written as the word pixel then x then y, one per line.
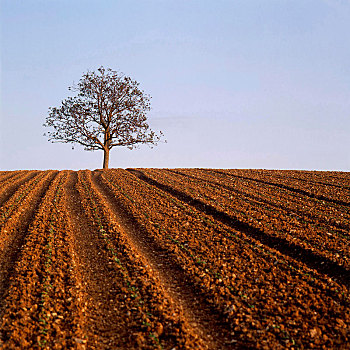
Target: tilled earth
pixel 174 259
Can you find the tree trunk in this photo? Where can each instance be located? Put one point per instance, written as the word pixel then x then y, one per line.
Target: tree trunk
pixel 106 148
pixel 105 158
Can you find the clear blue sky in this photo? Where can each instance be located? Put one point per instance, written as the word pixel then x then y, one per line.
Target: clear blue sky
pixel 235 83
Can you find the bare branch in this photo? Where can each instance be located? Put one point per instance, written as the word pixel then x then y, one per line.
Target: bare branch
pixel 109 110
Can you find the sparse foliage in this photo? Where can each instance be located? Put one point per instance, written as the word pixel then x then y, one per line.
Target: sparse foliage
pixel 109 110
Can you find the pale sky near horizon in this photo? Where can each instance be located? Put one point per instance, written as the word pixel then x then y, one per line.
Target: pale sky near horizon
pixel 234 83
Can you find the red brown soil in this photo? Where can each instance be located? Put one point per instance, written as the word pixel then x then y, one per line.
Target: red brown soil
pixel 14 231
pixel 174 259
pixel 200 316
pixel 97 277
pixel 10 184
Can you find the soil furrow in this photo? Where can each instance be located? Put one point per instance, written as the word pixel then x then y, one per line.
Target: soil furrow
pixel 319 182
pixel 11 250
pixel 11 189
pixel 206 321
pixel 309 258
pixel 289 188
pixel 256 199
pixel 40 311
pixel 8 175
pixel 102 320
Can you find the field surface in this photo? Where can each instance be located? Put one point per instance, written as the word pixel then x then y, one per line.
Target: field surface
pixel 174 259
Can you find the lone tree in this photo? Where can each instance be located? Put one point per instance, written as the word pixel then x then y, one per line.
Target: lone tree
pixel 108 110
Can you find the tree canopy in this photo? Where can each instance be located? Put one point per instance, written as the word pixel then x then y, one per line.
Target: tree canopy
pixel 109 110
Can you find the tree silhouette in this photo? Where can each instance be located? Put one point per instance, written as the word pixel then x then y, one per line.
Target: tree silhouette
pixel 108 110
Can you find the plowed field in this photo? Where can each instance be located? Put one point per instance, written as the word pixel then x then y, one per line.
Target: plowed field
pixel 174 259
